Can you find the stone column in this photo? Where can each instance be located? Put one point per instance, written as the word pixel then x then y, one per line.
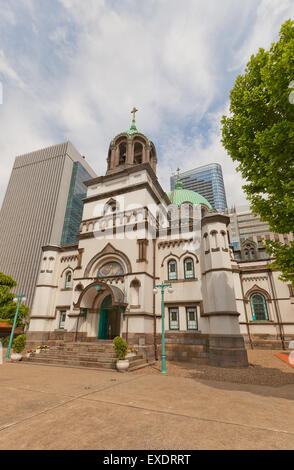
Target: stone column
pixel 130 152
pixel 112 158
pixel 226 344
pixel 146 154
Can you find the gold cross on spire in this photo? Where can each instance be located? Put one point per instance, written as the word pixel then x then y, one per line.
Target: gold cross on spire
pixel 133 112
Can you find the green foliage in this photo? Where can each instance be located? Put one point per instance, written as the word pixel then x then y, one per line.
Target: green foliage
pixel 120 348
pixel 5 341
pixel 7 305
pixel 19 343
pixel 284 259
pixel 259 135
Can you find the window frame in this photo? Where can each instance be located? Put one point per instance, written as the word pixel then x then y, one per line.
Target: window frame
pixel 62 322
pixel 266 315
pixel 187 318
pixel 176 270
pixel 68 284
pixel 185 270
pixel 170 310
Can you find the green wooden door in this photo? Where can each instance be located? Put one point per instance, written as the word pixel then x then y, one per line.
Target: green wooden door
pixel 103 323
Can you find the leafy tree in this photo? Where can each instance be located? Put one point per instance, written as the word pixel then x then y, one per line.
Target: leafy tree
pixel 7 305
pixel 259 135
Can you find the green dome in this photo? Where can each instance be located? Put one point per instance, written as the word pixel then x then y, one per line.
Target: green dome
pixel 181 195
pixel 130 132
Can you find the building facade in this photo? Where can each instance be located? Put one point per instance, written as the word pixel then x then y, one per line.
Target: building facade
pixel 206 180
pixel 244 225
pixel 42 205
pixel 102 286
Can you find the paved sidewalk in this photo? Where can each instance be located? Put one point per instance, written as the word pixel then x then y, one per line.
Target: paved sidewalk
pixel 62 408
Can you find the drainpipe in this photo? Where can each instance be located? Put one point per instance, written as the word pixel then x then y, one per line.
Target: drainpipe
pixel 77 327
pixel 245 309
pixel 277 308
pixel 154 310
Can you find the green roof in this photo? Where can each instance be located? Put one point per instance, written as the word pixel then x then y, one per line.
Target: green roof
pixel 130 132
pixel 181 195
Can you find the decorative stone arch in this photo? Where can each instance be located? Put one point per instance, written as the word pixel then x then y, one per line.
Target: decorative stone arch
pixel 189 274
pixel 170 255
pixel 257 290
pixel 111 203
pixel 79 287
pixel 206 242
pixel 214 237
pixel 68 268
pixel 224 239
pixel 189 254
pixel 117 295
pixel 135 293
pixel 204 210
pixel 135 282
pixel 249 245
pixel 107 251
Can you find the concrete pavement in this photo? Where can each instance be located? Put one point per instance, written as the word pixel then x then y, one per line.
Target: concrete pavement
pixel 62 408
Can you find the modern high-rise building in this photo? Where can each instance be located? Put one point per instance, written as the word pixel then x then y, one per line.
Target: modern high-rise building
pixel 246 226
pixel 206 180
pixel 42 205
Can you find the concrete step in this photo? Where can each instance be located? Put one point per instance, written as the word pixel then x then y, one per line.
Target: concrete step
pixel 142 366
pixel 70 362
pixel 44 357
pixel 78 352
pixel 136 363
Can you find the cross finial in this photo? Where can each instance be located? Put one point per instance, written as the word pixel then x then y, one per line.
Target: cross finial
pixel 133 112
pixel 178 170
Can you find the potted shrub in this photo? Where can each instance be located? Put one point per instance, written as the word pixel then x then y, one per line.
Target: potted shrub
pixel 18 345
pixel 121 348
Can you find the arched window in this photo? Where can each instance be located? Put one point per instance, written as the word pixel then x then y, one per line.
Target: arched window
pixel 259 310
pixel 110 207
pixel 213 234
pixel 189 268
pixel 122 153
pixel 172 270
pixel 224 239
pixel 68 280
pixel 249 250
pixel 134 293
pixel 138 153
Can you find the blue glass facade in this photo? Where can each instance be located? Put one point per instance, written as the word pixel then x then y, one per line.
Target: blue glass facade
pixel 207 181
pixel 74 208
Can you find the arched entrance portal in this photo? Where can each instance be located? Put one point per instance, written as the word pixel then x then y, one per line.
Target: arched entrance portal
pixel 109 319
pixel 105 307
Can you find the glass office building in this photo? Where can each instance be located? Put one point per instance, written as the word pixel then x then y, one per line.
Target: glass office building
pixel 206 180
pixel 42 206
pixel 245 225
pixel 74 207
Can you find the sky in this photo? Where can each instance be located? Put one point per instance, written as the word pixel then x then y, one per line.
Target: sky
pixel 73 70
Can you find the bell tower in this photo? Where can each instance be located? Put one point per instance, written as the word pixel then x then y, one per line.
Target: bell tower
pixel 130 148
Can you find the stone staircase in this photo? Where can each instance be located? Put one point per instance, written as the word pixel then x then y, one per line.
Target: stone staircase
pixel 91 355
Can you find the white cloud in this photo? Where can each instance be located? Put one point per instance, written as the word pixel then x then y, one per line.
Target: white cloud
pixel 90 62
pixel 270 14
pixel 7 72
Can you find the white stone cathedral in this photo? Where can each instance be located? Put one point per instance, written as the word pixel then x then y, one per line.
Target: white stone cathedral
pixel 132 237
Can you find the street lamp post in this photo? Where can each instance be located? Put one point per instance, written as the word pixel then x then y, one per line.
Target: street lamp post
pixel 162 286
pixel 19 298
